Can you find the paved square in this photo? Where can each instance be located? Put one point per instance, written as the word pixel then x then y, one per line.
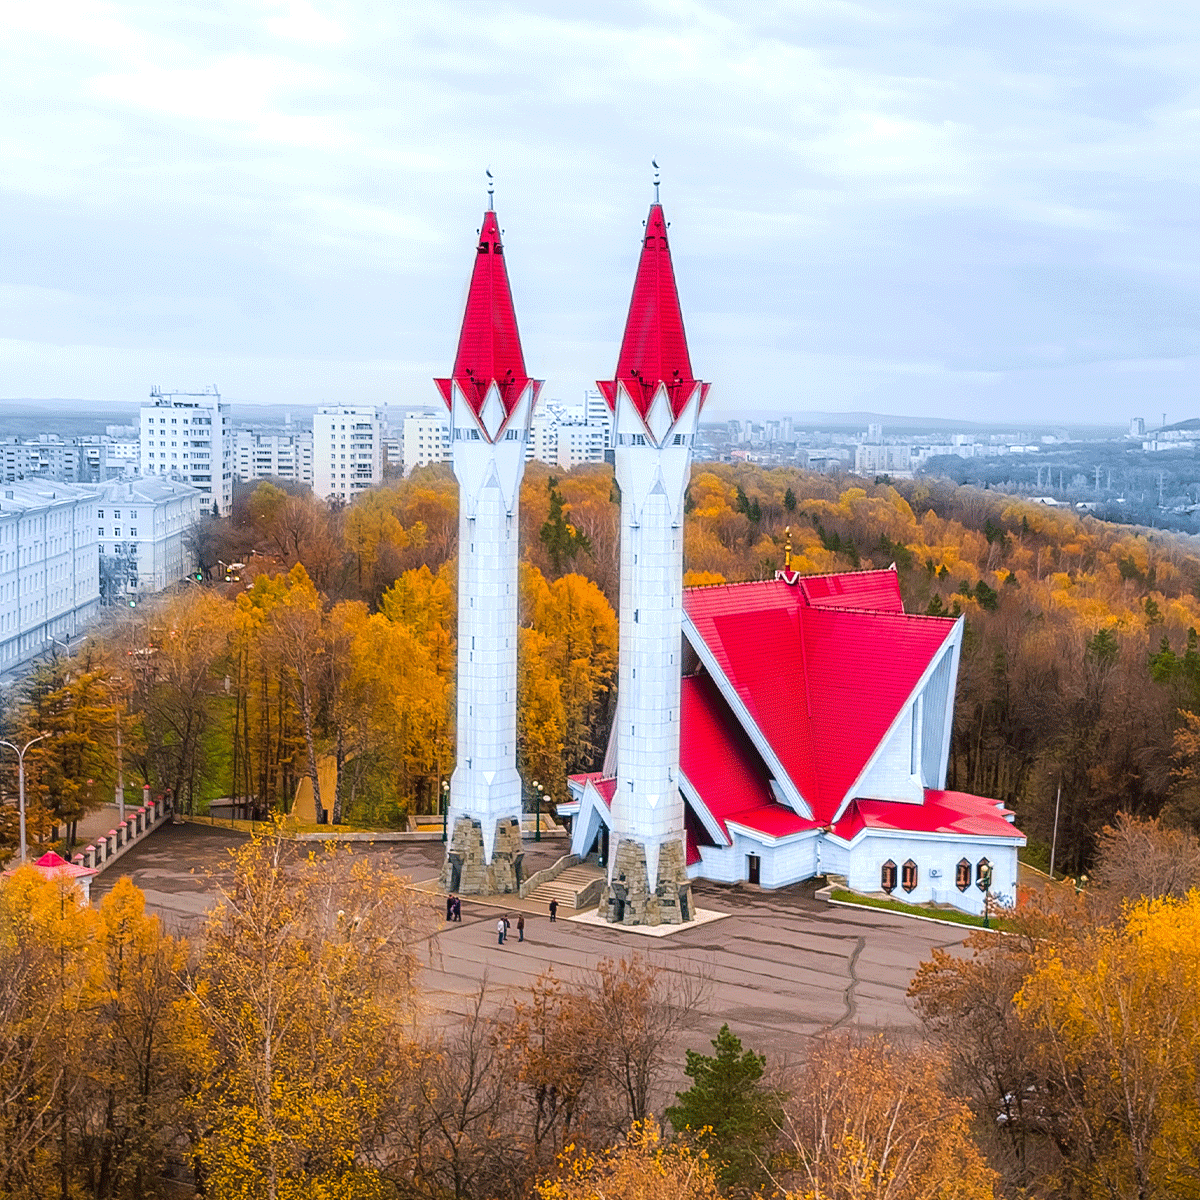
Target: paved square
pixel 781 966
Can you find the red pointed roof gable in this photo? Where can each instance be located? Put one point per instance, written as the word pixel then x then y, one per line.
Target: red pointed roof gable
pixel 654 349
pixel 489 346
pixel 822 682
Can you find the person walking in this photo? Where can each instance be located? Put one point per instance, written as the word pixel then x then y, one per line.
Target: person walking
pixel 553 910
pixel 458 908
pixel 450 908
pixel 506 924
pixel 501 926
pixel 521 928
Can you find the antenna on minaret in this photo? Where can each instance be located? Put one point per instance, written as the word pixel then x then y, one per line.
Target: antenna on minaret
pixel 655 166
pixel 491 187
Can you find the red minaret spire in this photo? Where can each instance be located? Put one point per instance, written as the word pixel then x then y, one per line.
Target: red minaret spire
pixel 489 346
pixel 654 349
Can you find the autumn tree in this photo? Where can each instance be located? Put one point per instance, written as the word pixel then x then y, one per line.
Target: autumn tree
pixel 1116 1016
pixel 868 1121
pixel 175 654
pixel 645 1166
pixel 77 701
pixel 296 636
pixel 50 995
pixel 302 992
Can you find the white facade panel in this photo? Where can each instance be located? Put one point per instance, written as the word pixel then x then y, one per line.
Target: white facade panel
pixel 49 566
pixel 186 436
pixel 347 451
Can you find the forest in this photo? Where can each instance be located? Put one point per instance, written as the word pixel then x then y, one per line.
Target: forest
pixel 1079 685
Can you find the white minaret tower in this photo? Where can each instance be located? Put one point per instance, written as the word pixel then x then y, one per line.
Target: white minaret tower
pixel 491 401
pixel 656 404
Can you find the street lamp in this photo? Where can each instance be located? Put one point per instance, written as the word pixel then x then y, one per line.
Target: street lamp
pixel 445 806
pixel 20 753
pixel 537 797
pixel 985 882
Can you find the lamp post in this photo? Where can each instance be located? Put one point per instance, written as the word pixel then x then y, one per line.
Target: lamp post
pixel 537 799
pixel 20 753
pixel 445 806
pixel 985 881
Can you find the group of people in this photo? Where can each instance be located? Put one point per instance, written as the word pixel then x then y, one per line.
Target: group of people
pixel 454 913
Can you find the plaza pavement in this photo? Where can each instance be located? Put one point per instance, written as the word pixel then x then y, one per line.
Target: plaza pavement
pixel 780 967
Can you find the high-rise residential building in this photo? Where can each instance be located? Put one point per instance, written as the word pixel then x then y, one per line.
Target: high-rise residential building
pixel 186 436
pixel 426 439
pixel 49 568
pixel 490 399
pixel 347 451
pixel 566 435
pixel 142 530
pixel 262 455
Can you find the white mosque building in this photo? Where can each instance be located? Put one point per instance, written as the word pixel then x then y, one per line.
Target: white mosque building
pixel 765 732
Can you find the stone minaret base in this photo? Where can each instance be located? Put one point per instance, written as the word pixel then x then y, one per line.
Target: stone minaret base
pixel 465 871
pixel 628 900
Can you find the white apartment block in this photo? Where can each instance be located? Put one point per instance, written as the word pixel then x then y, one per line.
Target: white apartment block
pixel 347 451
pixel 426 439
pixel 273 456
pixel 142 531
pixel 186 436
pixel 49 568
pixel 566 435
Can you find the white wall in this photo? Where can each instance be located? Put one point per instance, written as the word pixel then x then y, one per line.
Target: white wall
pixel 347 451
pixel 49 566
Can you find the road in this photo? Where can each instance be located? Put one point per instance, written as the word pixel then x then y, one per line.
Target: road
pixel 779 968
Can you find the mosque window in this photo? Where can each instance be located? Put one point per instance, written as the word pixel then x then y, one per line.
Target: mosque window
pixel 887 877
pixel 908 876
pixel 962 875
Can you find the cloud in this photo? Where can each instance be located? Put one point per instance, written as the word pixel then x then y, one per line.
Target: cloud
pixel 864 195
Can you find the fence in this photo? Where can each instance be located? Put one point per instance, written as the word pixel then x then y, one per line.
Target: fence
pixel 115 842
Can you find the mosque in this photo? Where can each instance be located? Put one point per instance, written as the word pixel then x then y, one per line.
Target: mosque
pixel 765 732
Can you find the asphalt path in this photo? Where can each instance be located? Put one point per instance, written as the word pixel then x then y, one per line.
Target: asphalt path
pixel 781 967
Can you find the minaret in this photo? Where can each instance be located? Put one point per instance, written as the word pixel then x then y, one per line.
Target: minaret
pixel 491 401
pixel 656 403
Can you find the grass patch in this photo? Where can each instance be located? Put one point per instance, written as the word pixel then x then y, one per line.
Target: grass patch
pixel 953 915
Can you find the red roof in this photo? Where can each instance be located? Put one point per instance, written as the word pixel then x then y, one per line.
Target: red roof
pixel 716 756
pixel 873 591
pixel 51 865
pixel 942 812
pixel 489 346
pixel 823 684
pixel 773 820
pixel 654 349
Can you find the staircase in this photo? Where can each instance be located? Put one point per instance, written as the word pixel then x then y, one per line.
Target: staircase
pixel 577 887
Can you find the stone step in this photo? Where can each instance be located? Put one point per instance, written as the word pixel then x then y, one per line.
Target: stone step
pixel 565 887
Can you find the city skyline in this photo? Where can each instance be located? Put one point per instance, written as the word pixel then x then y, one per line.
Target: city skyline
pixel 956 212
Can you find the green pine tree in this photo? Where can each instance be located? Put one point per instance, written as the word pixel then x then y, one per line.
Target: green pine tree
pixel 726 1100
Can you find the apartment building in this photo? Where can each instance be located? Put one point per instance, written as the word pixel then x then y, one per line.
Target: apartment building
pixel 49 566
pixel 426 439
pixel 347 451
pixel 260 455
pixel 142 528
pixel 186 436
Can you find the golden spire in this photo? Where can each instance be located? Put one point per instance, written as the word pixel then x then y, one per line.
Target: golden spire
pixel 787 549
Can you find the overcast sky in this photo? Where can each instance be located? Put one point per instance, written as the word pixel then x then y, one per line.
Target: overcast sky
pixel 977 209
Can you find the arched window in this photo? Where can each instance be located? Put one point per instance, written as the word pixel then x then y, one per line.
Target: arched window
pixel 908 877
pixel 887 877
pixel 962 875
pixel 983 875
